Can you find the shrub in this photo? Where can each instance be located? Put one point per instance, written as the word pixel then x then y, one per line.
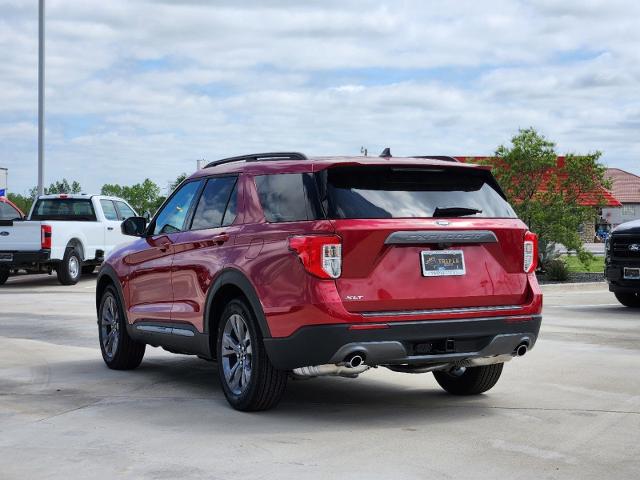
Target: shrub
pixel 557 270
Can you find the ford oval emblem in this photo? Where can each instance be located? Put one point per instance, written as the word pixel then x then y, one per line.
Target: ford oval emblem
pixel 4 233
pixel 442 222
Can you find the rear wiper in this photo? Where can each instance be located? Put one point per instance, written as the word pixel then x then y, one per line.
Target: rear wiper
pixel 455 211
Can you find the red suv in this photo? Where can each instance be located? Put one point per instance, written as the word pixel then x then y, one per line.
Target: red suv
pixel 279 265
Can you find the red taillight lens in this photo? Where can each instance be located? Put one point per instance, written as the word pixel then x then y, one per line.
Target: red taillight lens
pixel 45 236
pixel 530 252
pixel 321 255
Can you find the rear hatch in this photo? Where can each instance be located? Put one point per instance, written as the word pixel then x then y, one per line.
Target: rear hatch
pixel 420 238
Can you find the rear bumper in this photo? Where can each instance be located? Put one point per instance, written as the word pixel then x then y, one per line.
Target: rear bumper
pixel 397 343
pixel 24 259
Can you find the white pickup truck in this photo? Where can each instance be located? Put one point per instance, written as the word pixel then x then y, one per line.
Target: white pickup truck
pixel 70 234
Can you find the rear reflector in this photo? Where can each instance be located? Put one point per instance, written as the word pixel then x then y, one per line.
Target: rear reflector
pixel 530 260
pixel 370 326
pixel 45 237
pixel 321 255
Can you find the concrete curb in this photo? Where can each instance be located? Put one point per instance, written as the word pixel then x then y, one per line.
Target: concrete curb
pixel 586 286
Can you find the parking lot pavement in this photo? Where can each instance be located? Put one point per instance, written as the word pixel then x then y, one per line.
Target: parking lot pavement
pixel 569 409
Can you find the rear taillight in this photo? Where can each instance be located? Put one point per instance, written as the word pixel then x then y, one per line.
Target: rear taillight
pixel 530 252
pixel 321 255
pixel 45 236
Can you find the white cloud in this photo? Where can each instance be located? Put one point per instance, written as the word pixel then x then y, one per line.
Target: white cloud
pixel 143 88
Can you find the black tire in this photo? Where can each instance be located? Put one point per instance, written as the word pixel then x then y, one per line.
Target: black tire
pixel 629 299
pixel 473 381
pixel 88 269
pixel 265 384
pixel 70 268
pixel 125 354
pixel 4 275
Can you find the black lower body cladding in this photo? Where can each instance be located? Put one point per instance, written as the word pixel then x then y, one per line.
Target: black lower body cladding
pixel 421 342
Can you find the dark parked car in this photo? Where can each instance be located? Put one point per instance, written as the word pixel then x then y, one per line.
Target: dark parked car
pixel 622 258
pixel 279 265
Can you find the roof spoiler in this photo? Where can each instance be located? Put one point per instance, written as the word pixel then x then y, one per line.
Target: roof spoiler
pixel 445 158
pixel 386 153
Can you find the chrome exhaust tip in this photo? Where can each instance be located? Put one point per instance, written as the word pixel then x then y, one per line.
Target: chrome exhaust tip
pixel 354 360
pixel 521 350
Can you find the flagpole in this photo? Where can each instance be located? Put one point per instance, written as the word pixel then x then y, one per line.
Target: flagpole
pixel 41 97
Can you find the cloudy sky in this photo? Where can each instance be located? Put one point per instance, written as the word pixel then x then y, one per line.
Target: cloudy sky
pixel 141 89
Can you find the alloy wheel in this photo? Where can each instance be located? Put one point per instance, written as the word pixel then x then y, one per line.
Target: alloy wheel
pixel 237 354
pixel 109 326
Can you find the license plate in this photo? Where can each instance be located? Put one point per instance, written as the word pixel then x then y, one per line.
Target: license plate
pixel 631 273
pixel 441 263
pixel 6 257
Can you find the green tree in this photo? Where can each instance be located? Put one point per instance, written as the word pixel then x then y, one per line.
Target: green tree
pixel 23 202
pixel 546 195
pixel 173 185
pixel 63 186
pixel 143 197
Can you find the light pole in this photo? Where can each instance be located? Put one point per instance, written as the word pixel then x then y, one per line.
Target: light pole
pixel 41 97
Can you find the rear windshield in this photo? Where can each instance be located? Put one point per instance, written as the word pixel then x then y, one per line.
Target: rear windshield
pixel 64 209
pixel 407 192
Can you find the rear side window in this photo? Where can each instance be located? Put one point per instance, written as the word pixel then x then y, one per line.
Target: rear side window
pixel 109 210
pixel 213 203
pixel 288 197
pixel 125 210
pixel 73 209
pixel 408 192
pixel 7 212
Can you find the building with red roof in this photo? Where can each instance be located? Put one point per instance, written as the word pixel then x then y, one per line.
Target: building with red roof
pixel 625 187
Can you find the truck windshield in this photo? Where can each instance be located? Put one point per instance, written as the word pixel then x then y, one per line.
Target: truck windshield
pixel 411 192
pixel 72 209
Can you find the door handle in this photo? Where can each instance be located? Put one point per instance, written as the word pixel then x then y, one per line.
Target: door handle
pixel 109 228
pixel 220 239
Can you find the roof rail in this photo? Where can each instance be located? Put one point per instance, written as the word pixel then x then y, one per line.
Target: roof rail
pixel 446 158
pixel 259 157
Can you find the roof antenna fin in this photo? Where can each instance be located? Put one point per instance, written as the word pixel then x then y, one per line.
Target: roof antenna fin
pixel 386 153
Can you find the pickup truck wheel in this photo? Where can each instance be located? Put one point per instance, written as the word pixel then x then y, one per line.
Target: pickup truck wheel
pixel 88 269
pixel 69 269
pixel 471 381
pixel 249 380
pixel 4 275
pixel 629 299
pixel 119 350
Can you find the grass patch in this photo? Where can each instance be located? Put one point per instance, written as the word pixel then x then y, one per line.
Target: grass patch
pixel 595 265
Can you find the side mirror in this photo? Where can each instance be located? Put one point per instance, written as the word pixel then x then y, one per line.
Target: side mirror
pixel 134 226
